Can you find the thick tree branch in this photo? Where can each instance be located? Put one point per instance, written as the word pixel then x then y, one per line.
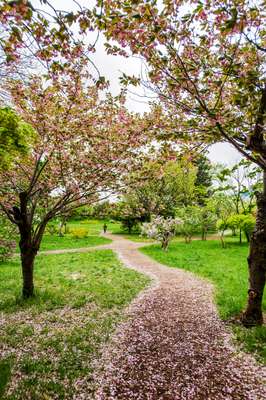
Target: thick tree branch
pixel 256 140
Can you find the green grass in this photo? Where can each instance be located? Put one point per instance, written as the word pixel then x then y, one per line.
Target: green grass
pixel 116 229
pixel 5 374
pixel 227 269
pixel 135 237
pixel 53 242
pixel 52 339
pixel 72 279
pixel 94 226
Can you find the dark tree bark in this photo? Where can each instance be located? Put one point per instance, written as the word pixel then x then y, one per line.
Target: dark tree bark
pixel 27 262
pixel 165 242
pixel 28 251
pixel 29 244
pixel 257 265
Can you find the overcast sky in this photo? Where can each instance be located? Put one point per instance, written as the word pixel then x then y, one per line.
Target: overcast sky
pixel 112 68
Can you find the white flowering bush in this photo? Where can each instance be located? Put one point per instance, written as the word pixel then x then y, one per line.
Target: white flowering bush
pixel 161 229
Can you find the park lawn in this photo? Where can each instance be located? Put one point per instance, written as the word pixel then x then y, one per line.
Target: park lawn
pixel 48 344
pixel 227 269
pixel 95 226
pixel 117 229
pixel 55 242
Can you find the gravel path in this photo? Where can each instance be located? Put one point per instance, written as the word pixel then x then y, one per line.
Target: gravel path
pixel 173 345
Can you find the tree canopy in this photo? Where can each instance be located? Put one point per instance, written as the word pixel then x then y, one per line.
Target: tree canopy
pixel 205 62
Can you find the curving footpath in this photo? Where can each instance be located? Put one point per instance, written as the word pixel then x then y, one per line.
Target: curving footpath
pixel 173 345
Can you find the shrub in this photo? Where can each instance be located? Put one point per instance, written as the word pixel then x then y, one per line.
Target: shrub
pixel 190 217
pixel 222 225
pixel 78 233
pixel 244 222
pixel 247 224
pixel 51 228
pixel 233 223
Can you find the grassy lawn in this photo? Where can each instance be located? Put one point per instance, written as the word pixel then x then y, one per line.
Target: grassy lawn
pixel 48 344
pixel 93 228
pixel 227 269
pixel 53 242
pixel 117 229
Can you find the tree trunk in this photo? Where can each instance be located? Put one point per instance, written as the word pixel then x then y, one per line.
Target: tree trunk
pixel 240 236
pixel 203 233
pixel 257 265
pixel 27 261
pixel 27 250
pixel 164 245
pixel 61 226
pixel 29 244
pixel 222 239
pixel 165 242
pixel 247 236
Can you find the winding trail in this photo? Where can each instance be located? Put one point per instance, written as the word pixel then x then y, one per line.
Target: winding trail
pixel 173 345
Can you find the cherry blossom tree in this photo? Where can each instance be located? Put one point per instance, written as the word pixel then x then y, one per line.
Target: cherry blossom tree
pixel 41 37
pixel 206 62
pixel 43 33
pixel 161 229
pixel 84 143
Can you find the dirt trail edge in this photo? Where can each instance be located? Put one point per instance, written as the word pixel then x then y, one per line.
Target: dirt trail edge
pixel 173 345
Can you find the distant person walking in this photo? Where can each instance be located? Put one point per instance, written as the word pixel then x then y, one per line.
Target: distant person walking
pixel 104 228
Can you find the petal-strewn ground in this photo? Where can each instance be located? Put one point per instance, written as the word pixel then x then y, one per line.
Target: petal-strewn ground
pixel 173 345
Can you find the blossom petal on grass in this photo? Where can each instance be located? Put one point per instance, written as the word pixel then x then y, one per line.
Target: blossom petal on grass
pixel 173 345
